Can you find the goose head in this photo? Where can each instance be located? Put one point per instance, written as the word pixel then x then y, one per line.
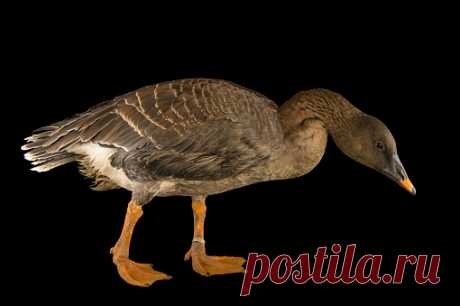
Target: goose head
pixel 369 142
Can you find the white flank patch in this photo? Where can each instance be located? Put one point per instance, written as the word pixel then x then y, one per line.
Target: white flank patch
pixel 99 157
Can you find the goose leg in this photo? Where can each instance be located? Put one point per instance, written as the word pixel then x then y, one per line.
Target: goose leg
pixel 137 274
pixel 201 262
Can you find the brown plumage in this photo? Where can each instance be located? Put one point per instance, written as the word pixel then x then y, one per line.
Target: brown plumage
pixel 197 137
pixel 178 129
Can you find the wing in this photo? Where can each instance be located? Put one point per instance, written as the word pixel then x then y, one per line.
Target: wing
pixel 215 150
pixel 195 129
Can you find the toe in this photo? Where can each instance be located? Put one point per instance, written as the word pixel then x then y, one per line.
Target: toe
pixel 230 260
pixel 138 274
pixel 216 265
pixel 188 255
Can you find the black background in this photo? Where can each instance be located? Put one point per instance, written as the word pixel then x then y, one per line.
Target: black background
pixel 393 68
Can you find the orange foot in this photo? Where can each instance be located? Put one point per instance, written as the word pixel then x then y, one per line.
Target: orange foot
pixel 137 274
pixel 213 265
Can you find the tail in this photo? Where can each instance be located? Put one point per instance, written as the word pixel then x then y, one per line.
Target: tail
pixel 51 146
pixel 48 146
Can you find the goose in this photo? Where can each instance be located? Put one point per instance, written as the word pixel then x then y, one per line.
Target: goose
pixel 199 137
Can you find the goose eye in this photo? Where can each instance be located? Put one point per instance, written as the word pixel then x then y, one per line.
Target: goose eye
pixel 380 146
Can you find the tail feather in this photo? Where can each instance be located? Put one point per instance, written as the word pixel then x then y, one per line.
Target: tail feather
pixel 52 163
pixel 51 146
pixel 46 148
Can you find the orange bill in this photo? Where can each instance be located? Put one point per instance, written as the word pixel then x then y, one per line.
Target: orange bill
pixel 407 184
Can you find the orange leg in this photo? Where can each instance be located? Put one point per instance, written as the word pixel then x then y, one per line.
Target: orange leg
pixel 201 262
pixel 138 274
